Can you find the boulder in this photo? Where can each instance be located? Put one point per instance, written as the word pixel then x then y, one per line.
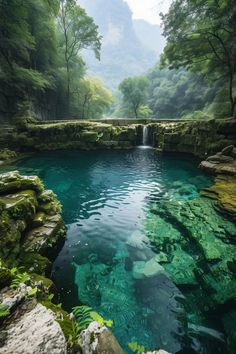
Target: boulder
pixel 220 158
pixel 33 331
pixel 227 150
pixel 98 339
pixel 218 168
pixel 13 181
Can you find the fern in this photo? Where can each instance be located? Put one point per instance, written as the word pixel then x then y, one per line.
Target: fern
pixel 84 316
pixel 4 311
pixel 136 348
pixel 21 278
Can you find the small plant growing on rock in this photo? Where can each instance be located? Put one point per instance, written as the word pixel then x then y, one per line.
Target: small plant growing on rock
pixel 136 348
pixel 84 315
pixel 21 278
pixel 4 311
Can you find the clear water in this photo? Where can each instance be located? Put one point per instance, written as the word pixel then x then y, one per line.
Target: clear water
pixel 106 196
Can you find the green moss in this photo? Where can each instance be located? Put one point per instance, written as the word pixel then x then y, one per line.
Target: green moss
pixel 34 263
pixel 5 276
pixel 13 181
pixel 48 285
pixel 7 154
pixel 39 219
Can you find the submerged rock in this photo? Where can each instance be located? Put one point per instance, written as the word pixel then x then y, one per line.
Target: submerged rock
pixel 151 268
pixel 202 245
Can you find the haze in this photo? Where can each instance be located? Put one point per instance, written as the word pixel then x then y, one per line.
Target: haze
pixel 148 9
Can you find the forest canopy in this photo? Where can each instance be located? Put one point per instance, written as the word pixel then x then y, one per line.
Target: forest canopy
pixel 41 66
pixel 196 77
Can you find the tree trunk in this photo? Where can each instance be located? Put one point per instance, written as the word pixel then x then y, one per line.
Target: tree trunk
pixel 68 86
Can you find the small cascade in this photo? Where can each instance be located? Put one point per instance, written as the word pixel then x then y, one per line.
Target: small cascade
pixel 145 135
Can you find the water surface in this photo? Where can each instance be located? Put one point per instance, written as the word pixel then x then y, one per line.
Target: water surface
pixel 106 197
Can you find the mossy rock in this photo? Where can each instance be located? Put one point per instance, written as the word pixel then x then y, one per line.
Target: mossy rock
pixel 34 263
pixel 13 181
pixel 224 192
pixel 21 205
pixel 62 318
pixel 39 219
pixel 88 136
pixel 7 154
pixel 48 285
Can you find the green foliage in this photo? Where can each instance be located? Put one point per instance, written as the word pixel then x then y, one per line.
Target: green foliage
pixel 201 37
pixel 136 348
pixel 32 292
pixel 135 94
pixel 21 278
pixel 4 311
pixel 90 98
pixel 84 315
pixel 50 297
pixel 98 318
pixel 41 63
pixel 175 93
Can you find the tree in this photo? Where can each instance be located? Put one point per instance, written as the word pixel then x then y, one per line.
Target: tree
pixel 79 32
pixel 92 98
pixel 135 93
pixel 22 72
pixel 201 36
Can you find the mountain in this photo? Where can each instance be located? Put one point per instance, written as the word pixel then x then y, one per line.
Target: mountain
pixel 149 35
pixel 124 52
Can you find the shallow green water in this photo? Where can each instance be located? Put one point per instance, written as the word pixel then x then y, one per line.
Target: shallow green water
pixel 107 199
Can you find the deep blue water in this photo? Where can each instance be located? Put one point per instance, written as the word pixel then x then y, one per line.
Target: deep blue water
pixel 106 196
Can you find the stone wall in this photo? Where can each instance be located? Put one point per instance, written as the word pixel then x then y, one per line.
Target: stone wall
pixel 74 135
pixel 200 138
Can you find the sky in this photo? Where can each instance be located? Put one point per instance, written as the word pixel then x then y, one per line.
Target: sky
pixel 148 9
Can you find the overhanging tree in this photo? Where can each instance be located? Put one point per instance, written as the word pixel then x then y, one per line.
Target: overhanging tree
pixel 201 36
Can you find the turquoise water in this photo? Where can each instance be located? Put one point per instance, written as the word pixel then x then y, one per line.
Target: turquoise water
pixel 106 198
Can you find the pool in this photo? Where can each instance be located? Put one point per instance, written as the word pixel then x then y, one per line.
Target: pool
pixel 124 254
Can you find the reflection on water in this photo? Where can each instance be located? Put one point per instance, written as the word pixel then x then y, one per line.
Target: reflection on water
pixel 107 261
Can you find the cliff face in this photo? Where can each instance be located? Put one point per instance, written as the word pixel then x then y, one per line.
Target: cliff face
pixel 123 53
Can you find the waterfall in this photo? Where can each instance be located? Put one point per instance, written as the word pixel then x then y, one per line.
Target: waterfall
pixel 145 135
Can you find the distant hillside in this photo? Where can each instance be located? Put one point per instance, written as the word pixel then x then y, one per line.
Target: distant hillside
pixel 150 35
pixel 123 51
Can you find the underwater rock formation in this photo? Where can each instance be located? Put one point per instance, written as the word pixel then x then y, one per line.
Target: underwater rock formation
pixel 198 238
